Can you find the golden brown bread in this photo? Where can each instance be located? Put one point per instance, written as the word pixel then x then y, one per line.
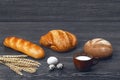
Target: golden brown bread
pixel 98 48
pixel 24 46
pixel 59 40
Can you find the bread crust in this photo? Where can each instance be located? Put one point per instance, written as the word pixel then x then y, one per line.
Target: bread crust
pixel 98 48
pixel 59 40
pixel 24 46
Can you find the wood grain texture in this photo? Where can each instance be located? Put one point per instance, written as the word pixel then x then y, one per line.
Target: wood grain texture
pixel 105 70
pixel 87 19
pixel 59 10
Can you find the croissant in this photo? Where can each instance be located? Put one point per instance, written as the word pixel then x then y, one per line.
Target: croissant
pixel 24 46
pixel 59 40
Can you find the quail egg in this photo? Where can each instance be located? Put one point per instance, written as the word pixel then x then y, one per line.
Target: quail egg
pixel 59 66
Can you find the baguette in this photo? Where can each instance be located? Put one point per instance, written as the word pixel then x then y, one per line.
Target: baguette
pixel 24 46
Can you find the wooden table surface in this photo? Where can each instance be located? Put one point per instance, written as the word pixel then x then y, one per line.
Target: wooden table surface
pixel 87 19
pixel 105 70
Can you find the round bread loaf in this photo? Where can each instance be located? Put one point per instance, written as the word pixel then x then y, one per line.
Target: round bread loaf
pixel 98 48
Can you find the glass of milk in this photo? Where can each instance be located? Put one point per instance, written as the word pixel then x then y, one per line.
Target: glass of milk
pixel 83 62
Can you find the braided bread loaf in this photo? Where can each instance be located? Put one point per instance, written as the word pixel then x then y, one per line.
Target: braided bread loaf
pixel 24 46
pixel 59 40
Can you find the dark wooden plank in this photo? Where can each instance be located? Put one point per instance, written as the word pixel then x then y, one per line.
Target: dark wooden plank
pixel 59 10
pixel 105 70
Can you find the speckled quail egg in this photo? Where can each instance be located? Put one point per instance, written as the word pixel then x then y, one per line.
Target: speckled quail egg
pixel 59 66
pixel 51 67
pixel 52 60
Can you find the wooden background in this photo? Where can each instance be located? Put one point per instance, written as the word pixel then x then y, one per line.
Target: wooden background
pixel 30 19
pixel 59 10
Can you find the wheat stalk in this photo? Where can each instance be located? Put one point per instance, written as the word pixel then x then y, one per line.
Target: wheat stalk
pixel 8 59
pixel 13 56
pixel 14 68
pixel 30 69
pixel 19 63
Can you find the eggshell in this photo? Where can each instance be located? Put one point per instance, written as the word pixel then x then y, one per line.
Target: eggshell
pixel 51 67
pixel 52 60
pixel 59 66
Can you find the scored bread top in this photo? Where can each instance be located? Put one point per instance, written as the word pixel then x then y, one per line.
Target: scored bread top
pixel 24 46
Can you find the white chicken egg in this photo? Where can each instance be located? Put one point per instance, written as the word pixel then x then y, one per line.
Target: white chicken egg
pixel 52 60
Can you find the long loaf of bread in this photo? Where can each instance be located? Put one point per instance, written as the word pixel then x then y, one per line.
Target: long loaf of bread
pixel 24 46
